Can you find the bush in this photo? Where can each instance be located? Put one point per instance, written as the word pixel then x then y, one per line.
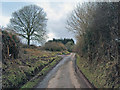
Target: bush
pixel 33 46
pixel 24 45
pixel 10 43
pixel 54 46
pixel 69 46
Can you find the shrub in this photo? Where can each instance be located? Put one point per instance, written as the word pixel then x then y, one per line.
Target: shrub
pixel 33 46
pixel 69 46
pixel 24 45
pixel 29 46
pixel 54 46
pixel 10 43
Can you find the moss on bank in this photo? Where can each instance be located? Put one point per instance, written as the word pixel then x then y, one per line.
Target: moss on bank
pixel 16 72
pixel 43 72
pixel 101 75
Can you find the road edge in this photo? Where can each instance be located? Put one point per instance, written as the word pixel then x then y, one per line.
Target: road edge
pixel 38 75
pixel 79 73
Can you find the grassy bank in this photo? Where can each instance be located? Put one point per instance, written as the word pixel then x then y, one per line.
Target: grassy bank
pixel 102 75
pixel 32 83
pixel 17 72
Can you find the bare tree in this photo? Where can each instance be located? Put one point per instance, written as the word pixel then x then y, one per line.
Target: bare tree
pixel 30 23
pixel 81 17
pixel 80 22
pixel 95 25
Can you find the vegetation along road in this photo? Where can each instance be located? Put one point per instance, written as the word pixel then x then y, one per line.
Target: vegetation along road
pixel 63 75
pixel 37 49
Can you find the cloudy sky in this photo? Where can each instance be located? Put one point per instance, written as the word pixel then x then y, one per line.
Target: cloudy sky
pixel 57 13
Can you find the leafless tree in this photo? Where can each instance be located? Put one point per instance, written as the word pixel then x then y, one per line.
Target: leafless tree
pixel 81 17
pixel 30 23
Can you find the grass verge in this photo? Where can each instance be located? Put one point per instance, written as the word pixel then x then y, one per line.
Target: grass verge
pixel 32 83
pixel 16 72
pixel 102 75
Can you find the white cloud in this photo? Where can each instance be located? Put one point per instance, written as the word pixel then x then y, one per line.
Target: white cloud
pixel 51 14
pixel 56 11
pixel 51 36
pixel 4 20
pixel 46 0
pixel 59 0
pixel 68 6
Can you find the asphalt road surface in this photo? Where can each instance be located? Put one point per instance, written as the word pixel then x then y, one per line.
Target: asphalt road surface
pixel 63 75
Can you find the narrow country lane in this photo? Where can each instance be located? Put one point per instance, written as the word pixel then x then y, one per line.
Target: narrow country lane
pixel 63 75
pixel 64 78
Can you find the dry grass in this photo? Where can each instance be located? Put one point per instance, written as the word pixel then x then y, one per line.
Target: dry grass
pixel 18 71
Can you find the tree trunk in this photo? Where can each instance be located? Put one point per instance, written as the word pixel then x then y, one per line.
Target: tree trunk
pixel 8 51
pixel 28 41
